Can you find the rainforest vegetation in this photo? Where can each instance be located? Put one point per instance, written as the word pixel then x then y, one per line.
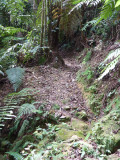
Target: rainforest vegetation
pixel 59 79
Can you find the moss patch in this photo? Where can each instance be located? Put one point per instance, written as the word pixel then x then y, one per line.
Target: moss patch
pixel 75 127
pixel 79 125
pixel 65 134
pixel 107 131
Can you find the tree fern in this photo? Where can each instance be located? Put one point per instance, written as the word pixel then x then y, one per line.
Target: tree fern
pixel 15 75
pixel 16 155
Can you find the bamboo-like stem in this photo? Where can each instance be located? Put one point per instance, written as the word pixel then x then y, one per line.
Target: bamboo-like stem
pixel 42 28
pixel 45 21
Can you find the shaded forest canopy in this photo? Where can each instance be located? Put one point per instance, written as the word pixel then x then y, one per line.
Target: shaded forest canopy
pixel 59 79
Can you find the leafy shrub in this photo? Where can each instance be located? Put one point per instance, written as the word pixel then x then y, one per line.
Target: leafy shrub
pixel 8 32
pixel 8 57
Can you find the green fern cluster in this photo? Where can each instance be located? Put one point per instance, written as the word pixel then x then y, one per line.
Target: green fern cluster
pixel 13 102
pixel 26 95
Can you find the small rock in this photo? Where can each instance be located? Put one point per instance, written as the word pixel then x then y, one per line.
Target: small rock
pixel 65 118
pixel 73 138
pixel 67 108
pixel 82 115
pixel 99 46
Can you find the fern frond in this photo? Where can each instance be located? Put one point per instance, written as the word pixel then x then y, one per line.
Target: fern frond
pixel 23 128
pixel 15 75
pixel 26 109
pixel 25 95
pixel 1 73
pixel 110 63
pixel 6 113
pixel 16 155
pixel 85 2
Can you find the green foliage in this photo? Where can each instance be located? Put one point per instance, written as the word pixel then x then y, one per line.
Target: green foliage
pixel 6 113
pixel 49 149
pixel 15 9
pixel 105 144
pixel 114 103
pixel 11 40
pixel 95 103
pixel 15 76
pixel 23 128
pixel 19 98
pixel 79 3
pixel 108 8
pixel 88 56
pixel 20 143
pixel 26 109
pixel 85 76
pixel 16 155
pixel 8 57
pixel 53 151
pixel 110 63
pixel 12 102
pixel 92 88
pixel 43 133
pixel 9 31
pixel 56 107
pixel 1 72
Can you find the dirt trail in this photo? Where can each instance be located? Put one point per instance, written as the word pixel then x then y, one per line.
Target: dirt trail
pixel 57 86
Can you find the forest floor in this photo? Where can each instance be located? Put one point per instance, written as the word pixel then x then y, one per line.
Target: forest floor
pixel 63 96
pixel 57 86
